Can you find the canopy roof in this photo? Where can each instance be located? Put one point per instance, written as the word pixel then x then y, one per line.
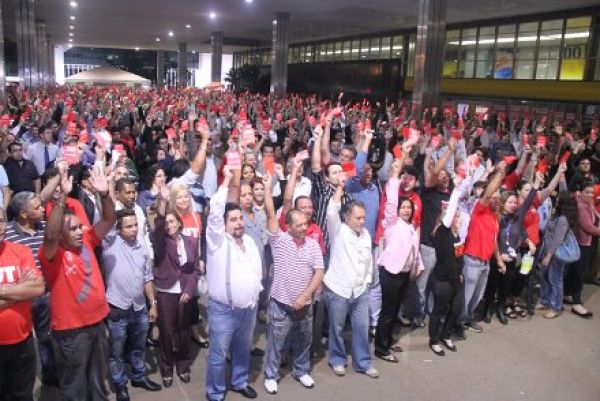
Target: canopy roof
pixel 109 75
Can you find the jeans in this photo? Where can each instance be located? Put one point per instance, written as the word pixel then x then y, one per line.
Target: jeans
pixel 447 307
pixel 127 336
pixel 419 291
pixel 375 291
pixel 393 287
pixel 40 314
pixel 475 272
pixel 298 325
pixel 80 357
pixel 17 370
pixel 551 284
pixel 358 309
pixel 230 332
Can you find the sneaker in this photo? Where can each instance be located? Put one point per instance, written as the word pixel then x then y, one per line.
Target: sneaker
pixel 339 370
pixel 306 381
pixel 474 326
pixel 271 386
pixel 372 373
pixel 551 314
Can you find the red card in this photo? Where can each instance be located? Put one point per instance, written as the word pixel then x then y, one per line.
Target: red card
pixel 510 160
pixel 234 161
pixel 541 141
pixel 461 172
pixel 435 141
pixel 71 154
pixel 474 161
pixel 397 151
pixel 349 168
pixel 456 134
pixel 170 133
pixel 542 166
pixel 303 155
pixel 565 157
pixel 405 132
pixel 269 164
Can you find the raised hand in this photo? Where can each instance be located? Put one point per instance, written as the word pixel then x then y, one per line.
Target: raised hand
pixel 164 192
pixel 66 182
pixel 99 181
pixel 267 180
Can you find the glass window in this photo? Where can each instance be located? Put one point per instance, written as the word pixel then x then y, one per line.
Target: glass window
pixel 574 50
pixel 347 50
pixel 355 52
pixel 412 39
pixel 525 52
pixel 309 54
pixel 321 49
pixel 337 52
pixel 505 52
pixel 485 52
pixel 450 67
pixel 549 49
pixel 364 49
pixel 466 60
pixel 375 48
pixel 386 42
pixel 397 46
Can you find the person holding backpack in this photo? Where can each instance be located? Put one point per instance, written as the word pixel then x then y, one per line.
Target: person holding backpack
pixel 551 266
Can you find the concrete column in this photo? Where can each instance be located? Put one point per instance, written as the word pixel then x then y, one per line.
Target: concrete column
pixel 50 61
pixel 160 68
pixel 216 41
pixel 33 45
pixel 2 64
pixel 41 53
pixel 26 42
pixel 279 54
pixel 429 53
pixel 182 65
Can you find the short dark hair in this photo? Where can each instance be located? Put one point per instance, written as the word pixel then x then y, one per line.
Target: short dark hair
pixel 410 170
pixel 289 216
pixel 331 165
pixel 299 198
pixel 347 208
pixel 179 167
pixel 121 214
pixel 120 184
pixel 230 207
pixel 13 144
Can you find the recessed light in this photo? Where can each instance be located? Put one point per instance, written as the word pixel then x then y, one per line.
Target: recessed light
pixel 188 26
pixel 72 17
pixel 73 4
pixel 274 22
pixel 171 33
pixel 193 51
pixel 70 45
pixel 212 15
pixel 248 1
pixel 71 34
pixel 71 27
pixel 157 39
pixel 70 40
pixel 137 49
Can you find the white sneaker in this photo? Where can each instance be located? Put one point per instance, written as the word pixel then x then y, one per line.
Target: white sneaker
pixel 306 381
pixel 372 373
pixel 339 370
pixel 271 386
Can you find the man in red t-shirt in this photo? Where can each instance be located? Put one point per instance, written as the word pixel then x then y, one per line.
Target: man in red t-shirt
pixel 77 294
pixel 20 282
pixel 480 247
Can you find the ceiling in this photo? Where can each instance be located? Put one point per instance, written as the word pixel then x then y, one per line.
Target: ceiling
pixel 136 23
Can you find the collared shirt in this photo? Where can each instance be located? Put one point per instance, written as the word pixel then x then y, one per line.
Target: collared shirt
pixel 238 282
pixel 143 234
pixel 209 180
pixel 294 266
pixel 322 192
pixel 127 268
pixel 303 188
pixel 34 241
pixel 256 228
pixel 21 175
pixel 351 262
pixel 35 153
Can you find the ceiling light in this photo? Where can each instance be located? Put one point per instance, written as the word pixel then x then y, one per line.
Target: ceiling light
pixel 70 45
pixel 248 1
pixel 188 26
pixel 71 27
pixel 171 34
pixel 157 39
pixel 73 4
pixel 72 17
pixel 193 51
pixel 70 40
pixel 274 22
pixel 137 49
pixel 212 15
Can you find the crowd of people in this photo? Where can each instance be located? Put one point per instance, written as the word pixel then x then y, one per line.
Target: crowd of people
pixel 125 210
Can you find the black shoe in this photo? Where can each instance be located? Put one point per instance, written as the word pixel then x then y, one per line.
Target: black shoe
pixel 201 344
pixel 247 392
pixel 447 345
pixel 439 353
pixel 459 333
pixel 146 384
pixel 501 316
pixel 257 352
pixel 151 342
pixel 487 316
pixel 122 394
pixel 388 358
pixel 167 382
pixel 586 315
pixel 50 380
pixel 185 377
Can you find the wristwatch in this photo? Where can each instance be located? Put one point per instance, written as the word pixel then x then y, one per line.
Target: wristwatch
pixel 153 302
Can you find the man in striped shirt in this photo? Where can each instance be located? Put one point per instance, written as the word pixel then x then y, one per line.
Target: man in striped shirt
pixel 297 274
pixel 27 228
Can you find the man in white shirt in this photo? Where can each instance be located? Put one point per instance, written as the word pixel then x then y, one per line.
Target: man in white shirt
pixel 347 282
pixel 234 274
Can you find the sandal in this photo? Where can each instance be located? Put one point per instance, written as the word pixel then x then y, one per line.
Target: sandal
pixel 167 382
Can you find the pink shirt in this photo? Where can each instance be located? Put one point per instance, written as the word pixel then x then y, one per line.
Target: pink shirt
pixel 399 236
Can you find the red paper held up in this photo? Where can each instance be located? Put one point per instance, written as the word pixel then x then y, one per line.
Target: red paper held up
pixel 349 168
pixel 269 164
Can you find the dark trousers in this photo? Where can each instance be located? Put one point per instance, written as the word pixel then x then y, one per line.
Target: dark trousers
pixel 500 283
pixel 393 287
pixel 447 308
pixel 127 333
pixel 40 313
pixel 80 362
pixel 175 334
pixel 575 274
pixel 17 371
pixel 195 310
